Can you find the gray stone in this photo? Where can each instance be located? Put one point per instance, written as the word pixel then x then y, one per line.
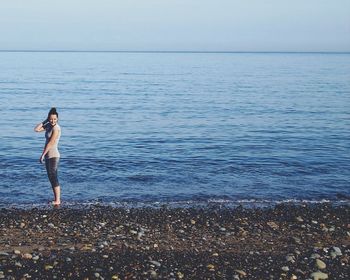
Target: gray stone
pixel 300 219
pixel 337 251
pixel 139 235
pixel 315 256
pixel 296 240
pixel 157 264
pixel 318 275
pixel 290 258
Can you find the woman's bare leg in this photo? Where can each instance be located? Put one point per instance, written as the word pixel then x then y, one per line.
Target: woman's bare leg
pixel 57 195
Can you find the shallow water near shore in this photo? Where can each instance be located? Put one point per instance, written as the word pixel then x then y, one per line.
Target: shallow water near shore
pixel 178 128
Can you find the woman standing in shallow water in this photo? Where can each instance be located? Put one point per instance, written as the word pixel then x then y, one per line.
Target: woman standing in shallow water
pixel 50 154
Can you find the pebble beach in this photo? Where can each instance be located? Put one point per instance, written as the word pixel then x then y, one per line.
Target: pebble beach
pixel 102 242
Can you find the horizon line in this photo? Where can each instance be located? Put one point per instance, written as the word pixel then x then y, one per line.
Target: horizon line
pixel 172 51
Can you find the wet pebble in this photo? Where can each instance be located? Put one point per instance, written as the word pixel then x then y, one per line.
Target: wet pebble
pixel 153 274
pixel 27 256
pixel 241 272
pixel 180 275
pixel 320 264
pixel 211 267
pixel 273 225
pixel 290 258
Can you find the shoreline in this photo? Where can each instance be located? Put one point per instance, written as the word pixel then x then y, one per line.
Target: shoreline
pixel 286 241
pixel 216 203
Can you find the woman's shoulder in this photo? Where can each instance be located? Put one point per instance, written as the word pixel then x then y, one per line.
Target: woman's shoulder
pixel 56 127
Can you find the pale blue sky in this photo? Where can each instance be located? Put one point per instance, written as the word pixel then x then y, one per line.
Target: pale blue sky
pixel 172 25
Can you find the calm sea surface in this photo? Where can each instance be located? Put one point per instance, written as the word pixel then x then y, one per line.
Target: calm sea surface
pixel 177 127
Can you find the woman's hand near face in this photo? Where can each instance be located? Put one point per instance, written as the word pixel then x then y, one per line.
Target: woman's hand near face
pixel 39 127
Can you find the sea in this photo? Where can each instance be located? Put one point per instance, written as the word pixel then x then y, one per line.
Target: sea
pixel 177 128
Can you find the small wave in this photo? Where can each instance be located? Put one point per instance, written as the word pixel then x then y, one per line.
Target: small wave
pixel 246 203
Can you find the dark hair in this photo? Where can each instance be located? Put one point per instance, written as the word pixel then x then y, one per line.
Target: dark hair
pixel 52 112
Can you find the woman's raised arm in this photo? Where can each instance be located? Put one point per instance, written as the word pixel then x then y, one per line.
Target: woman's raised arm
pixel 41 126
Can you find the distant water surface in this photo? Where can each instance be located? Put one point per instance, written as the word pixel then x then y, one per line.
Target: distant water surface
pixel 178 127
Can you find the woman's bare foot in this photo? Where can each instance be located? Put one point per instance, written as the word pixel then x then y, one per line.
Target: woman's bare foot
pixel 57 195
pixel 55 203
